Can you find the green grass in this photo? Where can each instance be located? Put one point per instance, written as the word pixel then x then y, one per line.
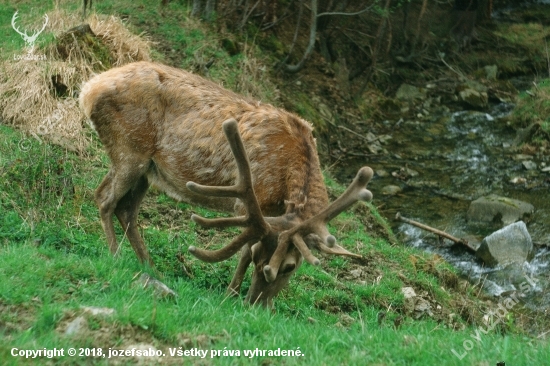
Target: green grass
pixel 54 258
pixel 534 107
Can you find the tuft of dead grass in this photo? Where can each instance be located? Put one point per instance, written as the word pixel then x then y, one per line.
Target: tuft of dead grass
pixel 40 95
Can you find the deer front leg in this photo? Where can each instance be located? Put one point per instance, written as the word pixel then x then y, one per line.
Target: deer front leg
pixel 234 288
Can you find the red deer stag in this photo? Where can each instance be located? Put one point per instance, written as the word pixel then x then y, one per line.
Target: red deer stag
pixel 165 127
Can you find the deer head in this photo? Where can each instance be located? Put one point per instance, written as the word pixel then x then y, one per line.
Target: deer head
pixel 29 40
pixel 165 127
pixel 275 245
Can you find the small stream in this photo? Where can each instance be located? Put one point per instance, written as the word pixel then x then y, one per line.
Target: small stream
pixel 443 162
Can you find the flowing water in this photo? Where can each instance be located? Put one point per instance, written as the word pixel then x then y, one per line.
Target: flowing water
pixel 444 162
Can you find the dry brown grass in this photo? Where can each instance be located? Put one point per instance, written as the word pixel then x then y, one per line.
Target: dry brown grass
pixel 40 96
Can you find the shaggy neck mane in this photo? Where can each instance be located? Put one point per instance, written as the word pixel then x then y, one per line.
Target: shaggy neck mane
pixel 307 193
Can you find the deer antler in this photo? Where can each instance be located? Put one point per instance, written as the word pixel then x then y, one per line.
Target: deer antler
pixel 256 226
pixel 317 225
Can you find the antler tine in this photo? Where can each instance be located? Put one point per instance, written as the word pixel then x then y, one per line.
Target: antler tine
pixel 221 222
pixel 317 224
pixel 35 34
pixel 226 252
pixel 256 226
pixel 13 19
pixel 45 23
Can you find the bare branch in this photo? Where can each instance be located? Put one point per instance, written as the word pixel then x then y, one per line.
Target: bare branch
pixel 247 15
pixel 312 33
pixel 295 38
pixel 348 14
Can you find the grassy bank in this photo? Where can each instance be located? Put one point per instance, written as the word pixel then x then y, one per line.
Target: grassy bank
pixel 54 260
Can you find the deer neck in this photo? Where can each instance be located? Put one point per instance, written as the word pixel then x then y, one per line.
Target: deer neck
pixel 317 197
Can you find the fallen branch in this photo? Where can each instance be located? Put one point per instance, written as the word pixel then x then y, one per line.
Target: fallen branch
pixel 435 231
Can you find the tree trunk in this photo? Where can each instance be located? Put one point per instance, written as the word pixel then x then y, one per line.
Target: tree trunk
pixel 196 11
pixel 464 21
pixel 209 10
pixel 311 45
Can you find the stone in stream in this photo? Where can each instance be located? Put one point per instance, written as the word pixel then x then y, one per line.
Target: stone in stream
pixel 473 93
pixel 529 164
pixel 496 208
pixel 410 93
pixel 391 190
pixel 511 244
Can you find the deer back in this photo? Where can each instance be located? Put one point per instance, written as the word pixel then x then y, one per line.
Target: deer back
pixel 172 119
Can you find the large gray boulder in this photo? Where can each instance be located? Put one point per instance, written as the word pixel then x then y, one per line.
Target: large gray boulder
pixel 511 244
pixel 495 208
pixel 473 93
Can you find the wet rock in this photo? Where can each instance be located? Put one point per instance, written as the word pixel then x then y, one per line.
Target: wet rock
pixel 503 91
pixel 410 172
pixel 373 143
pixel 518 180
pixel 391 190
pixel 473 93
pixel 410 93
pixel 475 85
pixel 529 165
pixel 473 98
pixel 511 244
pixel 405 173
pixel 520 157
pixel 496 208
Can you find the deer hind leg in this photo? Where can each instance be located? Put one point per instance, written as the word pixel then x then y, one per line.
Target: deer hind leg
pixel 127 211
pixel 127 188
